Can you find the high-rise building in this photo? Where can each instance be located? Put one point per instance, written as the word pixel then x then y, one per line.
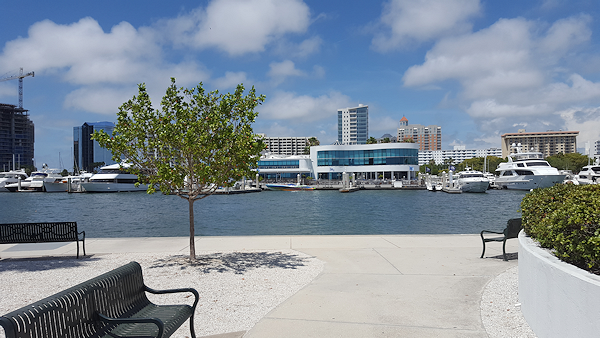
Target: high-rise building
pixel 285 145
pixel 353 125
pixel 428 137
pixel 16 137
pixel 548 143
pixel 86 151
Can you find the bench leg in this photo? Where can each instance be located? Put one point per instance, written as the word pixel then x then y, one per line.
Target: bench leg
pixel 504 250
pixel 483 252
pixel 192 331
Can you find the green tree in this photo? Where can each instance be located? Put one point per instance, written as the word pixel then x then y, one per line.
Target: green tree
pixel 95 165
pixel 571 161
pixel 311 142
pixel 408 140
pixel 64 173
pixel 371 140
pixel 386 140
pixel 195 143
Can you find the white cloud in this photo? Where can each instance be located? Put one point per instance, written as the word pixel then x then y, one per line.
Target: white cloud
pixel 410 21
pixel 289 106
pixel 299 50
pixel 239 26
pixel 230 80
pixel 101 100
pixel 584 120
pixel 6 90
pixel 279 71
pixel 508 72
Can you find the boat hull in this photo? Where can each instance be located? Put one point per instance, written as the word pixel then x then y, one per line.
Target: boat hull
pixel 528 182
pixel 112 187
pixel 289 187
pixel 474 186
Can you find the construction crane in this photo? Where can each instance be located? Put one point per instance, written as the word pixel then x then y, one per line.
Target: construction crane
pixel 20 77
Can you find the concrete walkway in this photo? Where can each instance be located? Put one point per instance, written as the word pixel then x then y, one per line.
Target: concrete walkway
pixel 372 286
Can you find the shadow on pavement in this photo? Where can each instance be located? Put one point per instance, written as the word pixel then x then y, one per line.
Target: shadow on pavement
pixel 44 263
pixel 236 262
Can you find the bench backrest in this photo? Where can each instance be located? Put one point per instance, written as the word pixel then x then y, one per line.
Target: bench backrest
pixel 73 312
pixel 38 232
pixel 513 228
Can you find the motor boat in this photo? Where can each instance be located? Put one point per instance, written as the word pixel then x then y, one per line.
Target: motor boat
pixel 37 180
pixel 9 177
pixel 472 181
pixel 590 174
pixel 113 178
pixel 526 171
pixel 62 184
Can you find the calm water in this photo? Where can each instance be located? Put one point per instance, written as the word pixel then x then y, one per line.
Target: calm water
pixel 269 212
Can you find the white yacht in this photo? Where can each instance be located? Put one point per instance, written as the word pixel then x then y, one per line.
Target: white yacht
pixel 590 174
pixel 472 181
pixel 62 184
pixel 10 177
pixel 526 171
pixel 37 180
pixel 112 178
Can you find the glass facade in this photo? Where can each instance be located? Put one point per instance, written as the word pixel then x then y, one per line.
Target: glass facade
pixel 368 157
pixel 278 164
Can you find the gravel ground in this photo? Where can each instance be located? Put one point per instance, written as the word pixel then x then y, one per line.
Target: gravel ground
pixel 236 288
pixel 500 308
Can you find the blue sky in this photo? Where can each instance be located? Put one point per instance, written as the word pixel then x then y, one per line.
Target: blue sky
pixel 476 68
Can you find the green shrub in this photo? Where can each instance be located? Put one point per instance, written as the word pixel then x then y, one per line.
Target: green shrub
pixel 566 220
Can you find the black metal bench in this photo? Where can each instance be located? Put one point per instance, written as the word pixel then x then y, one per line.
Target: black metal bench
pixel 511 231
pixel 111 305
pixel 16 233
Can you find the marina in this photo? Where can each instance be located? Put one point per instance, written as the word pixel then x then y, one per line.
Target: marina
pixel 318 212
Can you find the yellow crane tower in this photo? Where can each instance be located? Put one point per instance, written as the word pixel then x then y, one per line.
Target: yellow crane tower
pixel 20 77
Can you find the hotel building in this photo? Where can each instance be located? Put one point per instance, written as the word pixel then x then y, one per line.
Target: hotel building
pixel 427 137
pixel 548 143
pixel 16 137
pixel 353 125
pixel 87 151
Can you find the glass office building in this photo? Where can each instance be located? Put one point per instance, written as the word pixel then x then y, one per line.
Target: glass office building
pixel 86 151
pixel 353 125
pixel 276 168
pixel 392 161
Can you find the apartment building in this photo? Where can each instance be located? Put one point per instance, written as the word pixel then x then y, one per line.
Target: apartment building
pixel 285 145
pixel 353 125
pixel 429 138
pixel 458 154
pixel 548 143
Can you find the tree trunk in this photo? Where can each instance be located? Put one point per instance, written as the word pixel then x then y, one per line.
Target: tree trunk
pixel 192 246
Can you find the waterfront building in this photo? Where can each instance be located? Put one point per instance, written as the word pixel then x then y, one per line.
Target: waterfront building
pixel 285 145
pixel 86 151
pixel 427 137
pixel 17 136
pixel 548 143
pixel 276 167
pixel 597 148
pixel 369 161
pixel 353 125
pixel 458 154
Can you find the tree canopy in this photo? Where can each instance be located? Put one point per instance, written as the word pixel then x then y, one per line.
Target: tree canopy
pixel 572 161
pixel 195 142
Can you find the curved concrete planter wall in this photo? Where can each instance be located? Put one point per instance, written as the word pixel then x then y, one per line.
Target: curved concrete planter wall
pixel 557 299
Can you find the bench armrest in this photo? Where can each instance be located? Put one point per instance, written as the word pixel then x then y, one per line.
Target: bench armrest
pixel 158 292
pixel 155 321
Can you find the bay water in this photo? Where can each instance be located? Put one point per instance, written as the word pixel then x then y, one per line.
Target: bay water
pixel 269 212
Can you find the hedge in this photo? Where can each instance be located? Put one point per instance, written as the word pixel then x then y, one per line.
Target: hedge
pixel 566 219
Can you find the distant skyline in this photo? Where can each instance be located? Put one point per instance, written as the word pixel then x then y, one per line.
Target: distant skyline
pixel 476 68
